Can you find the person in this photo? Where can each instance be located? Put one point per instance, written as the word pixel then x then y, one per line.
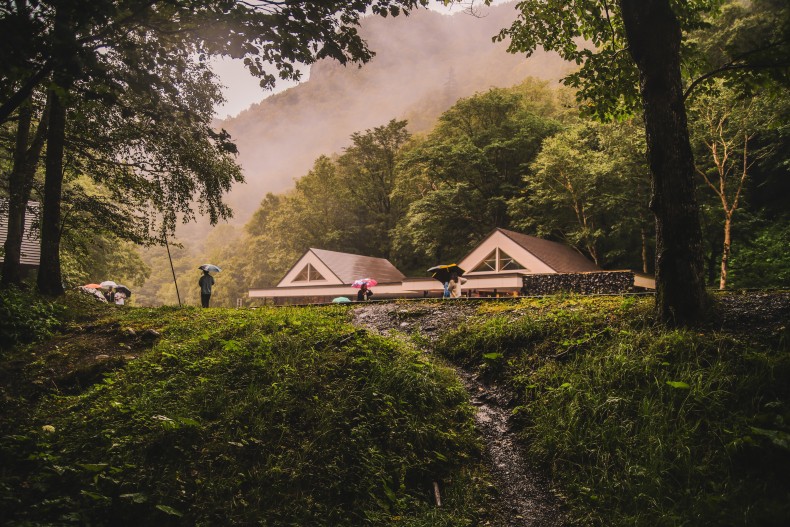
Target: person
pixel 446 292
pixel 364 293
pixel 120 298
pixel 205 282
pixel 108 295
pixel 455 285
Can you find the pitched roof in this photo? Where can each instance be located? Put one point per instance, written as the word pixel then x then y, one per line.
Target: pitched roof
pixel 560 257
pixel 350 267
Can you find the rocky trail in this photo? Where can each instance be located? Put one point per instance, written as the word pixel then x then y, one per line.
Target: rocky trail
pixel 524 496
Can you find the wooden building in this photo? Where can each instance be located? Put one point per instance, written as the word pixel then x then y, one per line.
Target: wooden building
pixel 496 267
pixel 31 239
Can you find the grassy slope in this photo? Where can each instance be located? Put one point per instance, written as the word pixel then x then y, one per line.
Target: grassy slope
pixel 293 417
pixel 232 417
pixel 642 425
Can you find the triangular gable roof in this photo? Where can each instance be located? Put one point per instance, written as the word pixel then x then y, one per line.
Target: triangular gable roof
pixel 342 268
pixel 535 254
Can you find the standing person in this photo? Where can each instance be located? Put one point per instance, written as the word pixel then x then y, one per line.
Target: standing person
pixel 120 298
pixel 205 282
pixel 446 292
pixel 364 293
pixel 455 285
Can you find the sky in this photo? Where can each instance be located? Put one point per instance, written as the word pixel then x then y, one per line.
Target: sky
pixel 242 89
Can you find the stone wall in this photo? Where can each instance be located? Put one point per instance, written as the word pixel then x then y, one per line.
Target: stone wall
pixel 582 283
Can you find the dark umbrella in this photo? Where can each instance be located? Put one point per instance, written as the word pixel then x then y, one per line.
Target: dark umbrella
pixel 444 272
pixel 123 289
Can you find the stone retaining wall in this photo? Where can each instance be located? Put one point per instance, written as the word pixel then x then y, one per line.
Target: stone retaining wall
pixel 582 283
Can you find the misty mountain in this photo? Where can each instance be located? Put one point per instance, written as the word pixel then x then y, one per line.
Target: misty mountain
pixel 424 63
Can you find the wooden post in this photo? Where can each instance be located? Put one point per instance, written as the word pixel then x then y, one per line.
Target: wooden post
pixel 172 269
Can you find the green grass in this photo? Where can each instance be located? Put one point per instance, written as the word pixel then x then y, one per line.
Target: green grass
pixel 238 417
pixel 641 425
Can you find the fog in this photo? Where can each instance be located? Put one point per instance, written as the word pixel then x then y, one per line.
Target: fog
pixel 423 64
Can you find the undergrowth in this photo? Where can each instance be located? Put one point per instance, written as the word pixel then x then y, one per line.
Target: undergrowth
pixel 641 425
pixel 241 417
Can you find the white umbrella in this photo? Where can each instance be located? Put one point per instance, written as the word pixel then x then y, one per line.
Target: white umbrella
pixel 107 284
pixel 210 268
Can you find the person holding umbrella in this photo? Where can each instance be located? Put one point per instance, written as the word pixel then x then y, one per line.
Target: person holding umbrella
pixel 364 285
pixel 454 285
pixel 206 282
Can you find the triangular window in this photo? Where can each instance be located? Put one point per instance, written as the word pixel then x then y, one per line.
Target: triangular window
pixel 506 263
pixel 308 274
pixel 488 264
pixel 497 261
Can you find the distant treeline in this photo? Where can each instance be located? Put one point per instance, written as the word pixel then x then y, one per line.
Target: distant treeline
pixel 521 158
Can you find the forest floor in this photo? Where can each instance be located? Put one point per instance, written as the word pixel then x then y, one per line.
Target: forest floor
pixel 525 497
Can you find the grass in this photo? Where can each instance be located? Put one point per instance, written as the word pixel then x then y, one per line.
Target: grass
pixel 291 416
pixel 238 417
pixel 641 425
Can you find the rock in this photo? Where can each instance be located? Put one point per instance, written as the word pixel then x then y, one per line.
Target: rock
pixel 102 357
pixel 150 334
pixel 129 332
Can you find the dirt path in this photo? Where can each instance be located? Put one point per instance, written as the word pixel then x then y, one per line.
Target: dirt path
pixel 524 498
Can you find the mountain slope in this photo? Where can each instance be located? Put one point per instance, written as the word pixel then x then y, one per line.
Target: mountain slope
pixel 423 64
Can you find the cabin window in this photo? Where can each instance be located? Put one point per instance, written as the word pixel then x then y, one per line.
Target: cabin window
pixel 308 274
pixel 506 263
pixel 497 261
pixel 488 264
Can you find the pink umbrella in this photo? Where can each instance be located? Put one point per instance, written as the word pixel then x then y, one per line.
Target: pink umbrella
pixel 370 282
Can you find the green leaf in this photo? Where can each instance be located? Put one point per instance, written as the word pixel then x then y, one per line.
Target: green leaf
pixel 136 497
pixel 492 356
pixel 776 437
pixel 169 510
pixel 679 385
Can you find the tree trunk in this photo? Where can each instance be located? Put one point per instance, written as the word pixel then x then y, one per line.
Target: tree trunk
pixel 49 276
pixel 654 37
pixel 643 232
pixel 725 251
pixel 12 272
pixel 26 159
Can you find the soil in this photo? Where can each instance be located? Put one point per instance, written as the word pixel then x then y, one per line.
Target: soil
pixel 524 496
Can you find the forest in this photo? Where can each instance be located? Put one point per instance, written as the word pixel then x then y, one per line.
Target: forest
pixel 520 158
pixel 534 158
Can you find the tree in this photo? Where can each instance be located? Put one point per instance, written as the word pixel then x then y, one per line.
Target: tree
pixel 368 173
pixel 469 167
pixel 26 154
pixel 636 58
pixel 587 187
pixel 725 127
pixel 100 44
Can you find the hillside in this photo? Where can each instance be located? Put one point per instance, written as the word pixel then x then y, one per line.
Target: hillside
pixel 343 415
pixel 424 63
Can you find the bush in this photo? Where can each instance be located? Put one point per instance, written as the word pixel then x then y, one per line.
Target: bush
pixel 26 317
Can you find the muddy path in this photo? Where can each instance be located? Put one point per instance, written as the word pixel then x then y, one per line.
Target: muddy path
pixel 524 497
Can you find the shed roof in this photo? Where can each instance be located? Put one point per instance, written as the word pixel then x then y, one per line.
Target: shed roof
pixel 349 267
pixel 560 257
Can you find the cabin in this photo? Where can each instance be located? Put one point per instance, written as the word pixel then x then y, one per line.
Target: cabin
pixel 504 263
pixel 31 240
pixel 321 275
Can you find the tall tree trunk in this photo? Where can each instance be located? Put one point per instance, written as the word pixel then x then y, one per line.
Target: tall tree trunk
pixel 26 158
pixel 725 251
pixel 49 275
pixel 643 232
pixel 654 37
pixel 12 272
